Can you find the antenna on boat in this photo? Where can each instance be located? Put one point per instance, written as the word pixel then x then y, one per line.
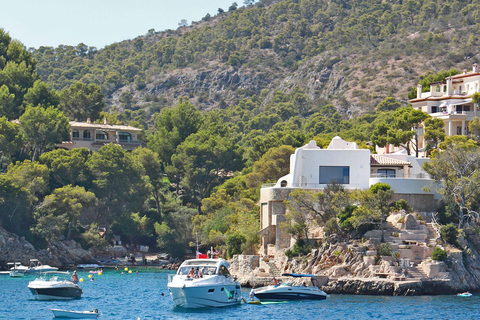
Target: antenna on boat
pixel 196 236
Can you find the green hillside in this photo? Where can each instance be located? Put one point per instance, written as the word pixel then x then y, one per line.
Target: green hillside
pixel 350 53
pixel 223 103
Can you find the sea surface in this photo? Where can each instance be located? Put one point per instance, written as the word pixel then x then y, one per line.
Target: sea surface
pixel 139 296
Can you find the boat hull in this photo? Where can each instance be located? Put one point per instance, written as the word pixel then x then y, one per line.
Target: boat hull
pixel 58 313
pixel 40 270
pixel 16 274
pixel 289 293
pixel 41 291
pixel 205 296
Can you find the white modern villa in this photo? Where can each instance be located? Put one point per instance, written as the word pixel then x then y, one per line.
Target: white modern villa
pixel 95 135
pixel 346 164
pixel 451 100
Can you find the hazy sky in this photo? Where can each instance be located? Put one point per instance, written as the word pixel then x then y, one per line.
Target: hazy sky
pixel 97 23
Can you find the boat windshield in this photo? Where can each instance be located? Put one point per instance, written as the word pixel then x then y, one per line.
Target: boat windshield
pixel 286 284
pixel 206 270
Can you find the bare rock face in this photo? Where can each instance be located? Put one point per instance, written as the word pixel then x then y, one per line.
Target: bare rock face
pixel 58 254
pixel 410 222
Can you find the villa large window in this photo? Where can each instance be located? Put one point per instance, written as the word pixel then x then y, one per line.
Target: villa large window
pixel 386 173
pixel 102 135
pixel 86 134
pixel 125 137
pixel 75 134
pixel 329 174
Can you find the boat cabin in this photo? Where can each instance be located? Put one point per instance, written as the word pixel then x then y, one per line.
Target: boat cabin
pixel 208 267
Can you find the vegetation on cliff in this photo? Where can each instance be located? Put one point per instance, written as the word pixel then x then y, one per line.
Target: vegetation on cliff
pixel 223 103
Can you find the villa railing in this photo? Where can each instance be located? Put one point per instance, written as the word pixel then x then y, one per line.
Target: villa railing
pixel 303 185
pixel 420 176
pixel 410 176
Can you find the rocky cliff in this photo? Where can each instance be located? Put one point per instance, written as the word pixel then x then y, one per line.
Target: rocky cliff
pixel 58 254
pixel 355 267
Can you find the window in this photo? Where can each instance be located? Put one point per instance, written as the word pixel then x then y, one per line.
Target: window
pixel 386 173
pixel 223 271
pixel 459 130
pixel 125 137
pixel 75 134
pixel 438 88
pixel 329 174
pixel 86 134
pixel 434 109
pixel 102 135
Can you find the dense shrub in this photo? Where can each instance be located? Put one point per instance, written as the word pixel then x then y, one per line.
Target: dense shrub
pixel 300 248
pixel 234 244
pixel 449 233
pixel 331 226
pixel 384 249
pixel 344 217
pixel 439 254
pixel 401 205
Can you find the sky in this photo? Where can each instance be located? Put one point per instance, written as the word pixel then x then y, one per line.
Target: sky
pixel 97 23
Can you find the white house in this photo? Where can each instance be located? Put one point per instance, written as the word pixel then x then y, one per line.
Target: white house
pixel 451 100
pixel 346 164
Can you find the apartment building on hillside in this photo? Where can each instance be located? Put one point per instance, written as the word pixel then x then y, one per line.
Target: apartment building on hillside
pixel 451 101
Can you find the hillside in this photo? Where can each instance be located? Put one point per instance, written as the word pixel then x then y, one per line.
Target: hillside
pixel 349 53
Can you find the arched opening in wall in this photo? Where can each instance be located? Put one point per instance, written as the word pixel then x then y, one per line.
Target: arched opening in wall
pixel 283 184
pixel 101 135
pixel 75 134
pixel 125 137
pixel 86 134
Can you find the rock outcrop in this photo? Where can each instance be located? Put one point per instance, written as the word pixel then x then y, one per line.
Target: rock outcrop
pixel 58 254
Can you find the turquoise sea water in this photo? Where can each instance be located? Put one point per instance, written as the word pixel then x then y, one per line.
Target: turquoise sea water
pixel 138 296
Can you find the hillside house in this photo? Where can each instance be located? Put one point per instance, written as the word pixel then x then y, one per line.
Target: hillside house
pixel 94 135
pixel 451 101
pixel 346 164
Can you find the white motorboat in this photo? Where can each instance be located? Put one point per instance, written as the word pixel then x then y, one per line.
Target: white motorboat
pixel 288 291
pixel 213 286
pixel 15 272
pixel 36 267
pixel 59 313
pixel 52 285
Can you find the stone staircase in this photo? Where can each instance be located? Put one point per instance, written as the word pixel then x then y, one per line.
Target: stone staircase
pixel 416 272
pixel 432 235
pixel 274 272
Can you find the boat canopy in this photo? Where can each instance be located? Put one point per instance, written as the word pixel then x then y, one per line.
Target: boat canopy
pixel 298 275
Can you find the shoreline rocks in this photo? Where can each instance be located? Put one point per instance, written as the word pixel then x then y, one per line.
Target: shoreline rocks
pixel 60 254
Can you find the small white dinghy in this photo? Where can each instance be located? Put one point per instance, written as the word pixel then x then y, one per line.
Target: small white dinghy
pixel 58 313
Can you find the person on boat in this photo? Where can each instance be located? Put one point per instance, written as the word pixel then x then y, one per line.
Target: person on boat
pixel 191 273
pixel 275 281
pixel 252 295
pixel 75 277
pixel 198 273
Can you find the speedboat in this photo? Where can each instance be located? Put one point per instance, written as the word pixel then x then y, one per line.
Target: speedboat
pixel 53 285
pixel 288 291
pixel 213 286
pixel 15 272
pixel 36 267
pixel 59 313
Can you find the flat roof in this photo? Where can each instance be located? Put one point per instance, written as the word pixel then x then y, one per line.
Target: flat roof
pixel 102 126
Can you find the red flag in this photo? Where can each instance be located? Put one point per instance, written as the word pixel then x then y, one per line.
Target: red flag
pixel 201 255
